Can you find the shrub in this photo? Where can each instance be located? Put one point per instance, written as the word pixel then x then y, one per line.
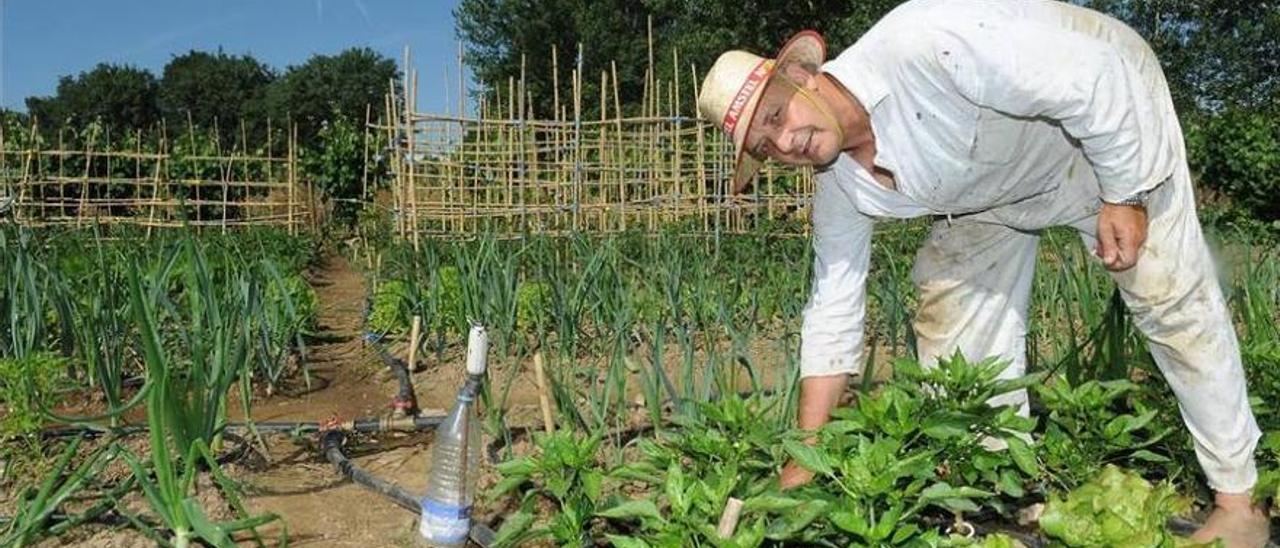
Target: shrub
pixel 21 413
pixel 1237 153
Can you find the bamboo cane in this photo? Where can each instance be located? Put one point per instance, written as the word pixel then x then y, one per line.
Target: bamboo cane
pixel 544 401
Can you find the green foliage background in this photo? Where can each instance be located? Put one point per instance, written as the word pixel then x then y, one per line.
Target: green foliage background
pixel 1220 57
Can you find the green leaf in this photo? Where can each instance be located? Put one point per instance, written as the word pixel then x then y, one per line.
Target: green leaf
pixel 1010 484
pixel 591 484
pixel 808 457
pixel 675 489
pixel 884 526
pixel 950 425
pixel 1148 456
pixel 943 490
pixel 956 499
pixel 639 471
pixel 626 542
pixel 204 528
pixel 904 532
pixel 522 466
pixel 632 509
pixel 798 519
pixel 1022 455
pixel 852 522
pixel 506 485
pixel 512 529
pixel 769 503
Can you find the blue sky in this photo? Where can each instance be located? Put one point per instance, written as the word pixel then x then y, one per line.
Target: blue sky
pixel 41 40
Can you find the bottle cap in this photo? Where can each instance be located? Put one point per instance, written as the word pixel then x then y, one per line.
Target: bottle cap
pixel 477 350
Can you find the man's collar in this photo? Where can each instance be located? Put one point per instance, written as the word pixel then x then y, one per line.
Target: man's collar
pixel 860 78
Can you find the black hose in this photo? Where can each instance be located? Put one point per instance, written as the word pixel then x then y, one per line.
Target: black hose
pixel 367 425
pixel 331 445
pixel 406 400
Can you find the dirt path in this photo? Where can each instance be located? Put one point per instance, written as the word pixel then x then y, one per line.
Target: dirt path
pixel 318 505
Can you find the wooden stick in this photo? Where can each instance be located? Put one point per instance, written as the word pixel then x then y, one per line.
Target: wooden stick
pixel 364 164
pixel 414 333
pixel 729 519
pixel 543 400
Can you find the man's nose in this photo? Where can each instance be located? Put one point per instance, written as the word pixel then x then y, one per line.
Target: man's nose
pixel 784 141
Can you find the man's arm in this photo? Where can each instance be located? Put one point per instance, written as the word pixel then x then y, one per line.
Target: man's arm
pixel 831 346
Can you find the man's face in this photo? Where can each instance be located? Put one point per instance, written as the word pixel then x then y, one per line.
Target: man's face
pixel 789 126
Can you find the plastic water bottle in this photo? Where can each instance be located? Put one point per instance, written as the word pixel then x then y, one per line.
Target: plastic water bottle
pixel 446 508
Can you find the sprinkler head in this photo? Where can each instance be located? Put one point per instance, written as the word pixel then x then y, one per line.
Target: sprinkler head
pixel 477 350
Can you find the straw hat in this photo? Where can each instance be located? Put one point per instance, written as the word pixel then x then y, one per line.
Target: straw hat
pixel 732 90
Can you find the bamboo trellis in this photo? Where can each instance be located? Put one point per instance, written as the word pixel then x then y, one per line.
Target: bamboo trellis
pixel 502 172
pixel 166 183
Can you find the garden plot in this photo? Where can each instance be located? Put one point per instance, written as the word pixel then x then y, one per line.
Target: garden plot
pixel 667 400
pixel 669 371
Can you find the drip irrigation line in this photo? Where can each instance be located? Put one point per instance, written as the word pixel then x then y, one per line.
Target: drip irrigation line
pixel 331 442
pixel 331 446
pixel 366 425
pixel 405 401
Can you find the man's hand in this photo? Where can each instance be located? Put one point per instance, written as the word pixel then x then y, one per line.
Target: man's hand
pixel 1121 231
pixel 793 475
pixel 818 396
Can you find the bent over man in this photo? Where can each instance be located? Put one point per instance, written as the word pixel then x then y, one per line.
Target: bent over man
pixel 1000 119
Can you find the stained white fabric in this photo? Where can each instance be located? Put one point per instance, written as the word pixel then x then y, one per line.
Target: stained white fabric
pixel 1023 115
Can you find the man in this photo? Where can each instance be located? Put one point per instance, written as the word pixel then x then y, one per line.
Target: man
pixel 999 119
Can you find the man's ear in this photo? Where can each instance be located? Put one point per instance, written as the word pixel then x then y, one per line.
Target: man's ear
pixel 802 75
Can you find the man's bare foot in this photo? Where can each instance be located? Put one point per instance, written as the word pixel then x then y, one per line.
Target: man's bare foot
pixel 1237 521
pixel 794 475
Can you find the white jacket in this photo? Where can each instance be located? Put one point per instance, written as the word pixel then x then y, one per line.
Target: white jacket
pixel 978 104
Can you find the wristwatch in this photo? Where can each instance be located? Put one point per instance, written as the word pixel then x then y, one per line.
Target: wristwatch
pixel 1138 199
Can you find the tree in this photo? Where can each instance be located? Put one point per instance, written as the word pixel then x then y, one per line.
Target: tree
pixel 335 162
pixel 499 32
pixel 1216 53
pixel 328 87
pixel 215 89
pixel 119 96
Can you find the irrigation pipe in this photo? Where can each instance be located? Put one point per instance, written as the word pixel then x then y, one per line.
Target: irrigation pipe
pixel 405 400
pixel 331 446
pixel 367 425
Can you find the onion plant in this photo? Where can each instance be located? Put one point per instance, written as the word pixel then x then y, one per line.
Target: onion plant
pixel 186 406
pixel 35 515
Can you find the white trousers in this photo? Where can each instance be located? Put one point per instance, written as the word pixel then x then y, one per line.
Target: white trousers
pixel 974 277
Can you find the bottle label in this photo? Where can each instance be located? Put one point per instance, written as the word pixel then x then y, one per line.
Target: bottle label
pixel 444 523
pixel 445 510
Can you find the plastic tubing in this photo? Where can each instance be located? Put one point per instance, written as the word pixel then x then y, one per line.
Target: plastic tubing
pixel 331 445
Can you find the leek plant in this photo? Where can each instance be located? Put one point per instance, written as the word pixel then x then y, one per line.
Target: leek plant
pixel 282 316
pixel 103 331
pixel 207 348
pixel 186 406
pixel 29 299
pixel 34 518
pixel 1078 317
